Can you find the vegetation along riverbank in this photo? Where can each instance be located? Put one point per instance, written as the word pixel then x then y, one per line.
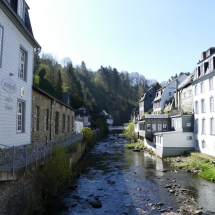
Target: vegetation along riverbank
pixel 196 163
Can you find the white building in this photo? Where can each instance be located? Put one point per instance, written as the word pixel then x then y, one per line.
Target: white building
pixel 204 110
pixel 17 49
pixel 79 125
pixel 165 93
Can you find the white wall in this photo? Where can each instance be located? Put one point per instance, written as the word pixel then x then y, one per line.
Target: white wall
pixel 78 126
pixel 12 40
pixel 208 138
pixel 178 139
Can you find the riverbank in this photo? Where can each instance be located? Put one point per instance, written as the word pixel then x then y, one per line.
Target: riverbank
pixel 196 163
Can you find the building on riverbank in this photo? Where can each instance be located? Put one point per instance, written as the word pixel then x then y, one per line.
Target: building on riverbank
pixel 51 118
pixel 165 93
pixel 17 49
pixel 204 109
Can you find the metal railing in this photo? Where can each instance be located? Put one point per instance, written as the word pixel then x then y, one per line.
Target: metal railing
pixel 16 157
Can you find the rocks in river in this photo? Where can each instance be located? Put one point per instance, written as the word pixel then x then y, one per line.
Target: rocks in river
pixel 198 212
pixel 171 191
pixel 168 186
pixel 95 204
pixel 164 170
pixel 159 204
pixel 111 182
pixel 188 170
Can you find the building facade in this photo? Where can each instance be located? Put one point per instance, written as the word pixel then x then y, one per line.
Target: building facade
pixel 145 102
pixel 165 93
pixel 51 119
pixel 17 49
pixel 203 98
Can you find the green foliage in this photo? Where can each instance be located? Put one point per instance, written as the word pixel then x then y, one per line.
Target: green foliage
pixel 36 80
pixel 56 171
pixel 134 145
pixel 129 132
pixel 100 122
pixel 87 133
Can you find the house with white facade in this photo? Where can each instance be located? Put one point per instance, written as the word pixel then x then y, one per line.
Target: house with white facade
pixel 82 114
pixel 165 93
pixel 203 98
pixel 108 117
pixel 17 49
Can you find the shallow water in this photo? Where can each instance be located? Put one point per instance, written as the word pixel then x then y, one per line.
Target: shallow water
pixel 127 182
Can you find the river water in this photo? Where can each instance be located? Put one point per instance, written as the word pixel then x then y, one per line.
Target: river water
pixel 116 181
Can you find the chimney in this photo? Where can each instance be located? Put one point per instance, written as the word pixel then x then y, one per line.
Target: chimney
pixel 203 55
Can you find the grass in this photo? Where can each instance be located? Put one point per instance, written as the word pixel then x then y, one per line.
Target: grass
pixel 134 145
pixel 195 162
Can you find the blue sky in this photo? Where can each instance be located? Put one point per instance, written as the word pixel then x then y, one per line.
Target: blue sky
pixel 156 38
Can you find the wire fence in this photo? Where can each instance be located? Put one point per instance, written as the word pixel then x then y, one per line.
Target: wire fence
pixel 16 157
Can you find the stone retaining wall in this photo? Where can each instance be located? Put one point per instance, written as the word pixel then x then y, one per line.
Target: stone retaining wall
pixel 16 195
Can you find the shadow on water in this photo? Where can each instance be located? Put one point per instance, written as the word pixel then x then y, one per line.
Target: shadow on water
pixel 115 180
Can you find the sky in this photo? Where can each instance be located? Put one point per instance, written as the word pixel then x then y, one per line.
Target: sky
pixel 156 38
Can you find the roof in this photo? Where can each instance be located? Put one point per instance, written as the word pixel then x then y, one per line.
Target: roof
pixel 160 95
pixel 24 26
pixel 186 82
pixel 51 97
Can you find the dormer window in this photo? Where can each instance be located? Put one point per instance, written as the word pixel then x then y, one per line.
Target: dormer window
pixel 20 8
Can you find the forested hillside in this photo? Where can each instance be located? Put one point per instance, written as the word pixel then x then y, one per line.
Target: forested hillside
pixel 105 89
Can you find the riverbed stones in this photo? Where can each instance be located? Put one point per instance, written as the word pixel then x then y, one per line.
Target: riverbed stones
pixel 95 203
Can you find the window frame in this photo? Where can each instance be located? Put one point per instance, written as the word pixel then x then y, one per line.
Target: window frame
pixel 1 44
pixel 68 123
pixel 212 109
pixel 63 123
pixel 212 126
pixel 20 8
pixel 203 108
pixel 211 84
pixel 46 120
pixel 196 107
pixel 202 87
pixel 203 126
pixel 56 122
pixel 22 115
pixel 22 64
pixel 196 89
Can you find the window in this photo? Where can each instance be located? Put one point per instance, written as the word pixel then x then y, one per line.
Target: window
pixel 196 90
pixel 202 87
pixel 63 123
pixel 68 123
pixel 150 95
pixel 20 116
pixel 197 144
pixel 56 122
pixel 153 126
pixel 46 120
pixel 212 126
pixel 73 124
pixel 203 105
pixel 211 84
pixel 36 118
pixel 159 126
pixel 1 44
pixel 184 94
pixel 170 93
pixel 20 8
pixel 196 126
pixel 203 144
pixel 148 126
pixel 165 125
pixel 203 126
pixel 196 107
pixel 211 104
pixel 22 64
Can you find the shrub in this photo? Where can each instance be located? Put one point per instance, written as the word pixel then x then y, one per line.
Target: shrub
pixel 56 171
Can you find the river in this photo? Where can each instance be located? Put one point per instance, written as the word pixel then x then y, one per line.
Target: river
pixel 117 181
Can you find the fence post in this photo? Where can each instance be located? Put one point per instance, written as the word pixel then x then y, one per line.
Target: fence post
pixel 13 160
pixel 26 158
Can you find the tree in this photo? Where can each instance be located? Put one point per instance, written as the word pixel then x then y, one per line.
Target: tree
pixel 129 132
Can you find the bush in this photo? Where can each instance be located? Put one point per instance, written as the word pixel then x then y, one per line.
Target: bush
pixel 56 171
pixel 87 133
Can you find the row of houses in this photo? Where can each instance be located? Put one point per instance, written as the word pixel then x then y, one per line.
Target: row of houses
pixel 182 112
